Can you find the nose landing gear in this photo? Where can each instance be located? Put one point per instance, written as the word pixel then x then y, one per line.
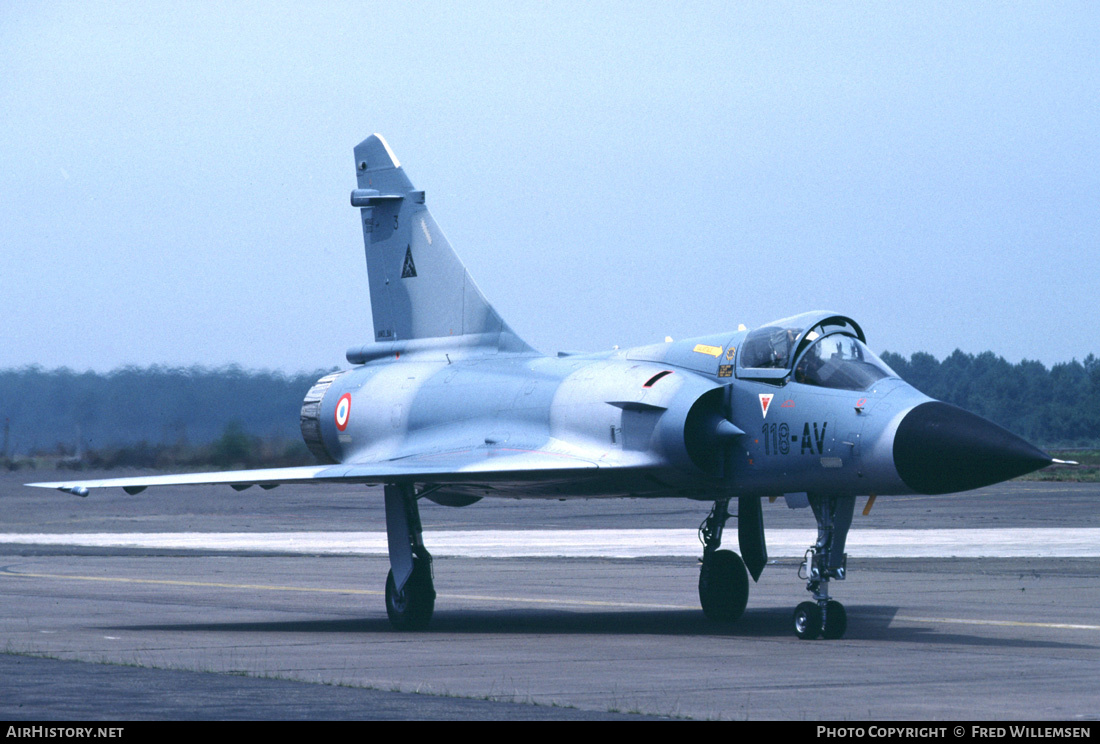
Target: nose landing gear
pixel 825 560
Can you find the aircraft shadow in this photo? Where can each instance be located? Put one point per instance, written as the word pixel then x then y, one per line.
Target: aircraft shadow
pixel 865 623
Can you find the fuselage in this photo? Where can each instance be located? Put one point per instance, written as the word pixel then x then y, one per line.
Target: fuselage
pixel 649 417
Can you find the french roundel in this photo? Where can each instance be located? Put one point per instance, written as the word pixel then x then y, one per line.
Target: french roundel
pixel 343 411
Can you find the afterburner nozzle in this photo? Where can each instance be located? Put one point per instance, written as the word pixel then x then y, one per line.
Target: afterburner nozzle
pixel 939 448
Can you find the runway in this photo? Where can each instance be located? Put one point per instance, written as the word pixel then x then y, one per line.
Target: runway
pixel 303 632
pixel 649 543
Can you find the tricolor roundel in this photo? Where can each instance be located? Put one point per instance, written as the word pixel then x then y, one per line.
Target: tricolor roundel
pixel 343 411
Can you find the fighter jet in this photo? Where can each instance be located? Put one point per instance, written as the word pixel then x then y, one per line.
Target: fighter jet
pixel 448 403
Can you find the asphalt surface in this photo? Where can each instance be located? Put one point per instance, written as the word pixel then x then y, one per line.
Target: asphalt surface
pixel 117 634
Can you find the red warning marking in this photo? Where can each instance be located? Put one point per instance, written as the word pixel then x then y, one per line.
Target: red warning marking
pixel 765 402
pixel 861 403
pixel 788 403
pixel 343 411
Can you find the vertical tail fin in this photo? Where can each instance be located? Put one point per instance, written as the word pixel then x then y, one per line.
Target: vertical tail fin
pixel 418 287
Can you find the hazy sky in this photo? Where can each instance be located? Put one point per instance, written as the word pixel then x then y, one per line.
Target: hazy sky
pixel 174 177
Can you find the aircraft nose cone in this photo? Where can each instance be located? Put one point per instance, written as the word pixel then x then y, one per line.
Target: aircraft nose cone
pixel 939 448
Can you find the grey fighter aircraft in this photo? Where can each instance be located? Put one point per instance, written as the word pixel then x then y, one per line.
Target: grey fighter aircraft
pixel 449 404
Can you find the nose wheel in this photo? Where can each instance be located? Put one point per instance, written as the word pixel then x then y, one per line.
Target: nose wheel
pixel 836 620
pixel 807 621
pixel 812 620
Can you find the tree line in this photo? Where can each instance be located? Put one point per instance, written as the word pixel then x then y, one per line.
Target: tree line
pixel 1059 407
pixel 66 412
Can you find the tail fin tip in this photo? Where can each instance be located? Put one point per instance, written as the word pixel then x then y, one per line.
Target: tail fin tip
pixel 419 288
pixel 374 153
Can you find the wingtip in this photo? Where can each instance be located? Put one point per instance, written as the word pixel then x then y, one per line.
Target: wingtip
pixel 80 491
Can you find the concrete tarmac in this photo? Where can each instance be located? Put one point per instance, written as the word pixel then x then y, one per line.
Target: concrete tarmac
pixel 255 635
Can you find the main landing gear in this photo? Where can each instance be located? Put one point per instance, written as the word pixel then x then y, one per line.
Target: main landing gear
pixel 723 579
pixel 825 560
pixel 410 593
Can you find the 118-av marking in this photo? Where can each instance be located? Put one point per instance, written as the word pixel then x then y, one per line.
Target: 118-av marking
pixel 778 439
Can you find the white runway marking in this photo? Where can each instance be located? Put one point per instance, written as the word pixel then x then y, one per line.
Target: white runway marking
pixel 785 543
pixel 996 623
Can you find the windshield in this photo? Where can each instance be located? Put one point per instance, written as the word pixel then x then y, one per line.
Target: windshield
pixel 842 362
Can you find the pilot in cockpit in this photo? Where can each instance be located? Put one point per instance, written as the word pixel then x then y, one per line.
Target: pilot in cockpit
pixel 809 367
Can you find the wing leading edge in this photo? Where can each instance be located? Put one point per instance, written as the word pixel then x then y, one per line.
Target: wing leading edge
pixel 460 466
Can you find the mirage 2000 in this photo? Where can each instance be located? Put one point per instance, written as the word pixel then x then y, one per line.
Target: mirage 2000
pixel 449 404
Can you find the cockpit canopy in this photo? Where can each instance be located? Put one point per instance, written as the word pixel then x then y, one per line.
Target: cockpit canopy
pixel 818 348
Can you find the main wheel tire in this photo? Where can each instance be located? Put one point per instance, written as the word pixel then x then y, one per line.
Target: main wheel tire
pixel 723 586
pixel 807 621
pixel 411 609
pixel 836 620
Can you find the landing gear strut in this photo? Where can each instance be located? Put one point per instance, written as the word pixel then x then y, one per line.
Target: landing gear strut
pixel 410 594
pixel 723 581
pixel 825 560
